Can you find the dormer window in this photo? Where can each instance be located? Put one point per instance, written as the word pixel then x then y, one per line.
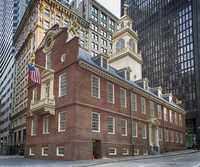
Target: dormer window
pixel 128 75
pixel 105 63
pixel 146 85
pixel 143 83
pixel 125 73
pixel 101 60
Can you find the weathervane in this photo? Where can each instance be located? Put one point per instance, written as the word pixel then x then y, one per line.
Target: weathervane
pixel 125 8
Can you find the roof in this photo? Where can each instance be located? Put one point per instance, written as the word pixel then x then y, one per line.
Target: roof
pixel 82 55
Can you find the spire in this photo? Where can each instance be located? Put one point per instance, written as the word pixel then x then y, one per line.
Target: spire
pixel 125 8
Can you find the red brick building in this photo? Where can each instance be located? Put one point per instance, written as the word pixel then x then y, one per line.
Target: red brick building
pixel 85 107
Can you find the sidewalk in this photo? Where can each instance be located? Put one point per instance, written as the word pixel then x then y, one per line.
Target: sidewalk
pixel 137 157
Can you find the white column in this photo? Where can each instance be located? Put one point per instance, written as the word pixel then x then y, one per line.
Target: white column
pixel 150 131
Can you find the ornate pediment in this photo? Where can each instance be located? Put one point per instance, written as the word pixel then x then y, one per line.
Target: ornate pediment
pixel 153 121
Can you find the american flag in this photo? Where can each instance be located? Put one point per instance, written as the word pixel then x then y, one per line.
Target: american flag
pixel 34 74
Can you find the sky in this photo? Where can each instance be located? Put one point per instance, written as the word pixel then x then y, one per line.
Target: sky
pixel 112 5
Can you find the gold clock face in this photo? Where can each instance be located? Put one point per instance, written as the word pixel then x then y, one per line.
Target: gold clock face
pixel 48 42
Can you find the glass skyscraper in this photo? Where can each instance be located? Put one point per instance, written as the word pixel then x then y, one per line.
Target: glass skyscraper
pixel 169 32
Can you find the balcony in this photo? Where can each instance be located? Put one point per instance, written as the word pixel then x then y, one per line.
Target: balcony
pixel 43 106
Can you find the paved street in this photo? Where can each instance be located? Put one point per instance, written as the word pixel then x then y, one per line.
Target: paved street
pixel 186 158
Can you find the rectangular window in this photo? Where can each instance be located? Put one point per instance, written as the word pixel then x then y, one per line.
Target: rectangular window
pixel 45 151
pixel 125 151
pixel 111 25
pixel 143 105
pixel 62 85
pixel 176 135
pixel 145 152
pixel 171 116
pixel 46 124
pixel 134 127
pixel 33 129
pixel 128 76
pixel 46 24
pixel 159 112
pixel 66 23
pixel 165 114
pixel 166 135
pixel 95 122
pixel 105 63
pixel 175 118
pixel 112 151
pixel 136 152
pixel 61 122
pixel 111 125
pixel 180 119
pixel 181 138
pixel 48 61
pixel 110 90
pixel 123 97
pixel 60 151
pixel 134 103
pixel 82 33
pixel 94 13
pixel 151 109
pixel 32 151
pixel 103 20
pixel 46 12
pixel 95 87
pixel 160 134
pixel 34 95
pixel 123 127
pixel 172 136
pixel 143 131
pixel 57 19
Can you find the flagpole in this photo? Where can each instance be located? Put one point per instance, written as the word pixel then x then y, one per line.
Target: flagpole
pixel 42 67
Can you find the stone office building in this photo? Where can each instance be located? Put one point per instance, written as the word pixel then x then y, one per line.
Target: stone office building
pixel 86 108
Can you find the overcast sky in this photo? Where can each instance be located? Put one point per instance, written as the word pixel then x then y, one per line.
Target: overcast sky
pixel 112 5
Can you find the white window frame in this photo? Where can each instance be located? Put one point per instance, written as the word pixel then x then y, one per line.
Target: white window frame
pixel 48 62
pixel 123 98
pixel 172 136
pixel 46 125
pixel 110 93
pixel 30 151
pixel 165 114
pixel 145 152
pixel 43 154
pixel 33 132
pixel 134 130
pixel 166 135
pixel 111 125
pixel 160 134
pixel 151 109
pixel 143 107
pixel 134 102
pixel 125 127
pixel 159 112
pixel 59 121
pixel 176 137
pixel 115 151
pixel 136 152
pixel 98 123
pixel 57 151
pixel 145 134
pixel 180 119
pixel 171 116
pixel 175 118
pixel 98 88
pixel 126 151
pixel 181 138
pixel 35 91
pixel 63 85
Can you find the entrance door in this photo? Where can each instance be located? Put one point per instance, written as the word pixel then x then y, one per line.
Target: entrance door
pixel 95 149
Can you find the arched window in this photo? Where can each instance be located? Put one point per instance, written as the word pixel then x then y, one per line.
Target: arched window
pixel 132 44
pixel 120 45
pixel 122 24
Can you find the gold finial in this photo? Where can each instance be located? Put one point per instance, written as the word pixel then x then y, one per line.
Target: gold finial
pixel 74 27
pixel 178 101
pixel 32 58
pixel 125 8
